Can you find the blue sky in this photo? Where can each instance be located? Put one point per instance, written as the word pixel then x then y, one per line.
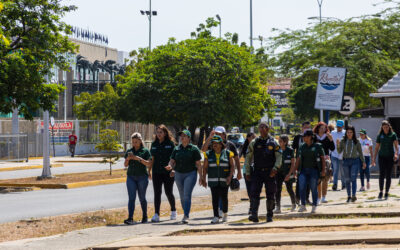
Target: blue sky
pixel 127 29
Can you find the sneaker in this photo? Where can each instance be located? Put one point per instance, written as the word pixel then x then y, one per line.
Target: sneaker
pixel 348 199
pixel 362 189
pixel 129 221
pixel 386 196
pixel 185 220
pixel 215 220
pixel 220 213
pixel 318 202
pixel 323 200
pixel 314 209
pixel 353 199
pixel 225 217
pixel 173 215
pixel 277 210
pixel 155 218
pixel 144 219
pixel 334 187
pixel 253 218
pixel 293 208
pixel 380 195
pixel 368 186
pixel 302 209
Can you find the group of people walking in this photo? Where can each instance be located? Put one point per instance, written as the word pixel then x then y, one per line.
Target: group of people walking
pixel 316 157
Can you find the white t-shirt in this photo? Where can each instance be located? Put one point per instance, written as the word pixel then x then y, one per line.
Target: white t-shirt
pixel 365 144
pixel 335 136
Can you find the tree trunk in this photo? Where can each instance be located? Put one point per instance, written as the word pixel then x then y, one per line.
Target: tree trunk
pixel 201 137
pixel 192 129
pixel 110 166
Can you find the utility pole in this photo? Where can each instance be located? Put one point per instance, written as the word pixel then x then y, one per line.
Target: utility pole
pixel 220 22
pixel 149 14
pixel 46 173
pixel 251 24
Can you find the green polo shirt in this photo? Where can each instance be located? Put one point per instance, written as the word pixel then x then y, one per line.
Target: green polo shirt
pixel 161 153
pixel 135 167
pixel 287 156
pixel 185 158
pixel 386 144
pixel 309 154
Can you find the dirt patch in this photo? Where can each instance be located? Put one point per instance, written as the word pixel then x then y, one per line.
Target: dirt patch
pixel 292 230
pixel 70 178
pixel 61 224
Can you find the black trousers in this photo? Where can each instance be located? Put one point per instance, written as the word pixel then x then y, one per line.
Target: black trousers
pixel 248 186
pixel 158 181
pixel 259 179
pixel 385 172
pixel 219 193
pixel 280 179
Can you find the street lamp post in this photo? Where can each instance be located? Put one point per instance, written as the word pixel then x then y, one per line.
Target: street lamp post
pixel 46 173
pixel 220 22
pixel 149 14
pixel 321 112
pixel 251 23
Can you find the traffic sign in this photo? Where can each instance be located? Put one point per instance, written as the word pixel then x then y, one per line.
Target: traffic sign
pixel 348 105
pixel 52 122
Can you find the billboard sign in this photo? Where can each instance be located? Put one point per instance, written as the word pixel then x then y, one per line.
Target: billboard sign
pixel 330 88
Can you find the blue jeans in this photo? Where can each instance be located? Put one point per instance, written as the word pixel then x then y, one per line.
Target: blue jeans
pixel 308 176
pixel 351 167
pixel 365 171
pixel 185 183
pixel 139 184
pixel 337 166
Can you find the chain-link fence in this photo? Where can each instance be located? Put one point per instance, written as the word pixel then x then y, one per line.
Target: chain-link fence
pixel 14 147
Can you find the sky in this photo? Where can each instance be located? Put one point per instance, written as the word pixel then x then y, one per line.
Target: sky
pixel 128 30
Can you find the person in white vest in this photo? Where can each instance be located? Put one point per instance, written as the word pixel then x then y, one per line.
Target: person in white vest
pixel 336 158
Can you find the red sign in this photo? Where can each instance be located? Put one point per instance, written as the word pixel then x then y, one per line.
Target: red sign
pixel 61 125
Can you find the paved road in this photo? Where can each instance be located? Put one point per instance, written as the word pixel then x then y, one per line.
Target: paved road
pixel 36 204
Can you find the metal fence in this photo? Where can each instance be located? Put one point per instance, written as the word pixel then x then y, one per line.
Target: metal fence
pixel 14 147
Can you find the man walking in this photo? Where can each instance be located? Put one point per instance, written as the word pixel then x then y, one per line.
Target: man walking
pixel 72 140
pixel 266 154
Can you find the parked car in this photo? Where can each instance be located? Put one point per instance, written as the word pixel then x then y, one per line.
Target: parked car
pixel 237 139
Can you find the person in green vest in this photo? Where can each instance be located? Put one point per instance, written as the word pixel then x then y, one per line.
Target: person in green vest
pixel 310 164
pixel 387 146
pixel 161 151
pixel 184 165
pixel 137 159
pixel 288 160
pixel 219 165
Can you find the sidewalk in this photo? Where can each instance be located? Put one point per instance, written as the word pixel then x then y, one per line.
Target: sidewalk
pixel 156 234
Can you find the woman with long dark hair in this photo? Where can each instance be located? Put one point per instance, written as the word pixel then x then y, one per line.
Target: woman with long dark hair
pixel 161 151
pixel 324 137
pixel 387 138
pixel 352 152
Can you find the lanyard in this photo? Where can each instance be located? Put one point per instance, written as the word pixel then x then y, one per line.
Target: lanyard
pixel 352 146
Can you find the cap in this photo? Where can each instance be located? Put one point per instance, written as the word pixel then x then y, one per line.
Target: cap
pixel 186 132
pixel 363 131
pixel 340 123
pixel 308 132
pixel 216 138
pixel 220 130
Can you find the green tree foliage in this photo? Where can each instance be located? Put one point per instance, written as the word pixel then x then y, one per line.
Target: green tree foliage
pixel 33 42
pixel 109 142
pixel 367 46
pixel 198 82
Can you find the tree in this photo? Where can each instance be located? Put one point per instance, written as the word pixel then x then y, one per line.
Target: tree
pixel 109 142
pixel 33 42
pixel 366 46
pixel 197 82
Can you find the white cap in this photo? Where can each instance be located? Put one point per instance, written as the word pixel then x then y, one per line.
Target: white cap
pixel 220 129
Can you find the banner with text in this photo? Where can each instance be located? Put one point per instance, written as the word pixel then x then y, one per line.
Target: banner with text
pixel 331 82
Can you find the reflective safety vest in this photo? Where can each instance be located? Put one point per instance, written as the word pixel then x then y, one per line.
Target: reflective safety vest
pixel 217 174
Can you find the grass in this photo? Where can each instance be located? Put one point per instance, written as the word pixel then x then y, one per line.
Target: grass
pixel 70 178
pixel 371 198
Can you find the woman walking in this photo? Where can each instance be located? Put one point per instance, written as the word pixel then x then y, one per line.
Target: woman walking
pixel 310 163
pixel 184 164
pixel 352 152
pixel 366 144
pixel 137 161
pixel 161 150
pixel 218 164
pixel 288 161
pixel 386 141
pixel 324 137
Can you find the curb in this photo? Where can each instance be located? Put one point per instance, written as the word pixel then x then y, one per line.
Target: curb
pixel 54 165
pixel 65 186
